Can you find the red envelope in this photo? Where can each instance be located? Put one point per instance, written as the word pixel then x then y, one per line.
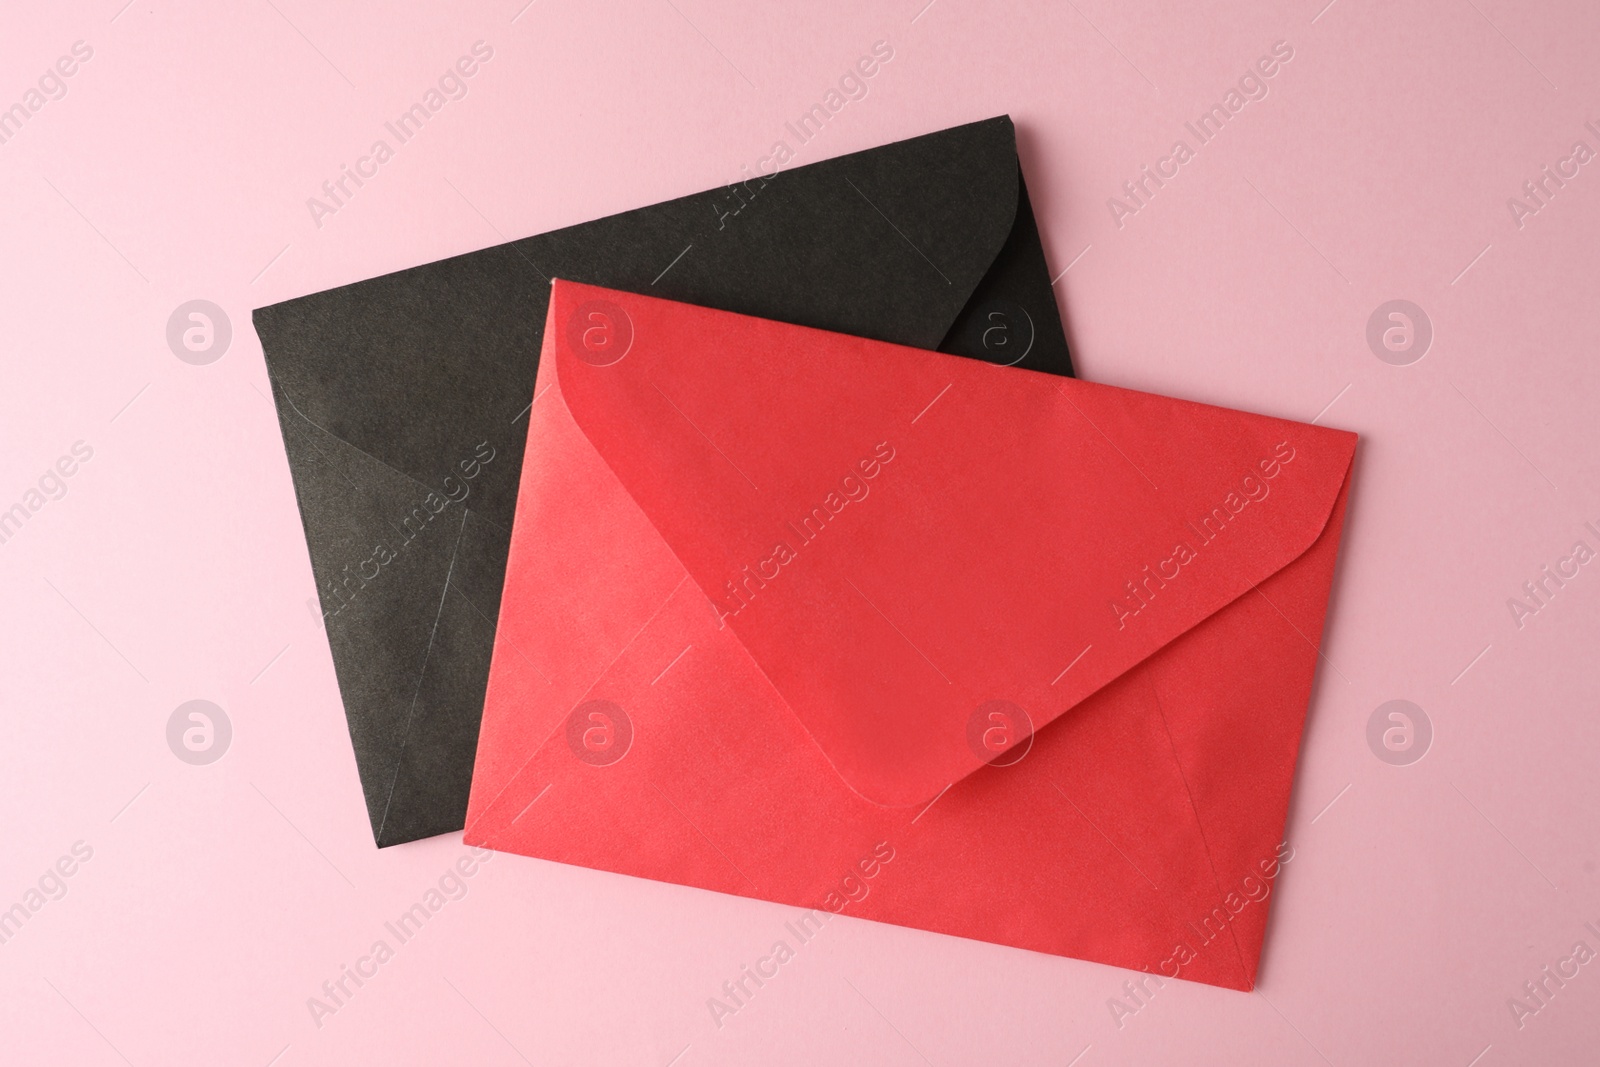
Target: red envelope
pixel 868 629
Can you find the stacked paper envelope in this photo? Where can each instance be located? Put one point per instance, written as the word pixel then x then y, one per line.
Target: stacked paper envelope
pixel 688 568
pixel 403 400
pixel 783 604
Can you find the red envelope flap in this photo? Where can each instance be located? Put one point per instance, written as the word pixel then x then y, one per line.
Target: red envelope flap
pixel 930 557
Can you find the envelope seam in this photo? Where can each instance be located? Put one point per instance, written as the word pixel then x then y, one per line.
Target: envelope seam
pixel 514 647
pixel 1138 469
pixel 329 460
pixel 688 575
pixel 704 836
pixel 1205 845
pixel 1315 646
pixel 1095 827
pixel 1322 530
pixel 350 444
pixel 600 678
pixel 422 674
pixel 903 237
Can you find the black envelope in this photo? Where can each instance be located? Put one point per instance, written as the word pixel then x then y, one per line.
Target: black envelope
pixel 402 399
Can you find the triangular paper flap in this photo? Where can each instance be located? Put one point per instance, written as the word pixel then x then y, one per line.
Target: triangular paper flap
pixel 1109 864
pixel 930 557
pixel 392 549
pixel 1012 318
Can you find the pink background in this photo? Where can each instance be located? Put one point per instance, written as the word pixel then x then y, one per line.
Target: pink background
pixel 1378 167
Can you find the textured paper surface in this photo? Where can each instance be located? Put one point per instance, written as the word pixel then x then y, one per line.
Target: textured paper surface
pixel 951 637
pixel 1421 897
pixel 402 400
